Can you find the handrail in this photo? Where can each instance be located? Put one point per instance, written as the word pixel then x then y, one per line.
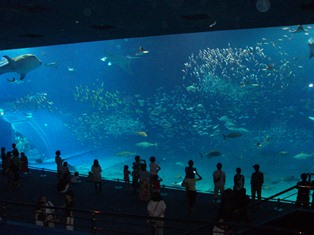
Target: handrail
pixel 251 206
pixel 94 229
pixel 311 187
pixel 97 219
pixel 93 216
pixel 252 226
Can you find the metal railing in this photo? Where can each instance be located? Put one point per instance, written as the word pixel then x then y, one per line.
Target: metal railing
pixel 281 206
pixel 98 222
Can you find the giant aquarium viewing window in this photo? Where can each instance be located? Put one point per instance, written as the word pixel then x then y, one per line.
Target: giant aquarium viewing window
pixel 236 97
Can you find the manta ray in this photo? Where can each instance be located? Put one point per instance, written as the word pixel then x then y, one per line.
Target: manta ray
pixel 124 62
pixel 22 65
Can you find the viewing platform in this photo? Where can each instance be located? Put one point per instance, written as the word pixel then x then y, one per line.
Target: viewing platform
pixel 117 210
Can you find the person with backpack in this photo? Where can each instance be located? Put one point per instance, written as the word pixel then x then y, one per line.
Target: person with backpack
pixel 219 178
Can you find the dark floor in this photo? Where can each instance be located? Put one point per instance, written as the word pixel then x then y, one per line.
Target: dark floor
pixel 119 198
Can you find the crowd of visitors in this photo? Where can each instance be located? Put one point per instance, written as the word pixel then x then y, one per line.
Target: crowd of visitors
pixel 233 202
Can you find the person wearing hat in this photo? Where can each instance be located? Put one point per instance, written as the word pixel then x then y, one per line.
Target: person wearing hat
pixel 257 180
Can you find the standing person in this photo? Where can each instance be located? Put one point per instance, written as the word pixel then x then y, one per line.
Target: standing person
pixel 156 183
pixel 8 170
pixel 59 161
pixel 303 198
pixel 257 180
pixel 190 184
pixel 24 163
pixel 156 208
pixel 14 149
pixel 190 168
pixel 65 170
pixel 136 166
pixel 15 166
pixel 154 168
pixel 144 193
pixel 219 178
pixel 126 174
pixel 69 204
pixel 96 169
pixel 238 180
pixel 3 160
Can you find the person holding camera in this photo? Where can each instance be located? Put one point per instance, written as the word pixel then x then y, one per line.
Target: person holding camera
pixel 190 184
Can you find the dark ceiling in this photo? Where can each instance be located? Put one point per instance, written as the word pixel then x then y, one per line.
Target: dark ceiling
pixel 34 23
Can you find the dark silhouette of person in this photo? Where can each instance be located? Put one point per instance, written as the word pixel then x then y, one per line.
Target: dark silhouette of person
pixel 227 205
pixel 15 167
pixel 190 169
pixel 257 180
pixel 14 151
pixel 96 169
pixel 64 184
pixel 24 163
pixel 238 180
pixel 303 197
pixel 242 202
pixel 219 178
pixel 136 166
pixel 3 160
pixel 190 184
pixel 69 204
pixel 59 161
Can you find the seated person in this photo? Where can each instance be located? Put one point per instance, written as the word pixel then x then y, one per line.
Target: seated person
pixel 90 176
pixel 75 179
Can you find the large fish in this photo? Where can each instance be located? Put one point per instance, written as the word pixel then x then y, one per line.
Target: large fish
pixel 125 154
pixel 211 154
pixel 22 64
pixel 146 144
pixel 303 156
pixel 141 133
pixel 233 134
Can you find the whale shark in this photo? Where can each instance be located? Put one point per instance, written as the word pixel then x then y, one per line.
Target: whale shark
pixel 22 65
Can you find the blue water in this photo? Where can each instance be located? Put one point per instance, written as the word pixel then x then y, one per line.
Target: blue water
pixel 186 92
